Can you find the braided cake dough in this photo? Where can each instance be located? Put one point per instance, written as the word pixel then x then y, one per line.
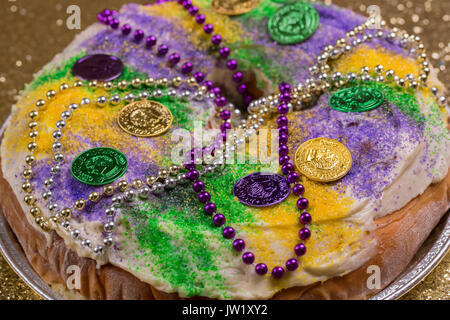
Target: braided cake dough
pixel 166 247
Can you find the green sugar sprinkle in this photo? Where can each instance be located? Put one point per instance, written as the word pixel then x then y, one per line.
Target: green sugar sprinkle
pixel 406 101
pixel 55 74
pixel 403 99
pixel 252 56
pixel 180 240
pixel 182 256
pixel 434 127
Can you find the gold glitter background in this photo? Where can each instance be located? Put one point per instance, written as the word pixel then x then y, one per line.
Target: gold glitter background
pixel 33 31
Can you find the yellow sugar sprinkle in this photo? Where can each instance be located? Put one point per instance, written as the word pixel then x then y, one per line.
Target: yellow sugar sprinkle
pixel 88 124
pixel 327 246
pixel 365 56
pixel 325 203
pixel 20 118
pixel 273 240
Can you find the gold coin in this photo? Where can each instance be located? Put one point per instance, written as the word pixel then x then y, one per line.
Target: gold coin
pixel 145 118
pixel 323 159
pixel 234 7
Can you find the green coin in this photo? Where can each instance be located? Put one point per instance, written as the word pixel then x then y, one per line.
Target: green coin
pixel 293 23
pixel 99 166
pixel 356 99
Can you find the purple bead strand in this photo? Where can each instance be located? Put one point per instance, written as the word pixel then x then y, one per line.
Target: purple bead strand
pixel 224 52
pixel 292 178
pixel 109 17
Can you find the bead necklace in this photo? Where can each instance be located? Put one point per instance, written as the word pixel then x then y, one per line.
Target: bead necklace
pixel 210 208
pixel 109 18
pixel 155 184
pixel 411 42
pixel 414 43
pixel 330 52
pixel 64 215
pixel 336 81
pixel 292 178
pixel 30 159
pixel 143 192
pixel 322 80
pixel 321 68
pixel 288 167
pixel 224 52
pixel 283 103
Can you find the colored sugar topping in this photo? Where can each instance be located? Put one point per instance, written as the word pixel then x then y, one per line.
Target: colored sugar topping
pixel 168 240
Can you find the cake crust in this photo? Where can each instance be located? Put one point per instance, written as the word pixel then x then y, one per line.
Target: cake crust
pixel 399 235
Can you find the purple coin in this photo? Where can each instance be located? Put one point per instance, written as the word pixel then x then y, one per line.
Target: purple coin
pixel 261 189
pixel 101 67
